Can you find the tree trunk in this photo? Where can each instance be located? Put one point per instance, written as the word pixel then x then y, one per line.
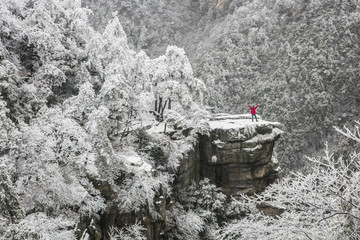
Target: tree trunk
pixel 162 109
pixel 160 104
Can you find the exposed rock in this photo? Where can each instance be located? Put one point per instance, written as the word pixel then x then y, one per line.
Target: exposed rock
pixel 89 226
pixel 270 210
pixel 237 155
pixel 155 226
pixel 189 170
pixel 243 151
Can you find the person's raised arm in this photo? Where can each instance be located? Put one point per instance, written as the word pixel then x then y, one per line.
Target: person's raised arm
pixel 256 106
pixel 250 107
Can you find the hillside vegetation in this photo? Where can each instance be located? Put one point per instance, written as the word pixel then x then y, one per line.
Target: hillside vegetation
pixel 74 107
pixel 84 152
pixel 299 60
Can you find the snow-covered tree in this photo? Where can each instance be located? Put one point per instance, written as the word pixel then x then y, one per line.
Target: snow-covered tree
pixel 40 226
pixel 198 212
pixel 173 79
pixel 178 94
pixel 188 225
pixel 81 106
pixel 50 147
pixel 67 94
pixel 131 232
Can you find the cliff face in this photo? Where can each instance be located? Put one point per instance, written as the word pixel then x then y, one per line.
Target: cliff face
pixel 237 155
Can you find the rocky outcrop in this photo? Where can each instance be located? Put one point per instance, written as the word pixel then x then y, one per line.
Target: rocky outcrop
pixel 237 155
pixel 189 170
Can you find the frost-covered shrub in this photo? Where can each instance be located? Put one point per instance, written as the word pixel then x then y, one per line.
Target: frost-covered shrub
pixel 157 155
pixel 199 212
pixel 10 208
pixel 80 107
pixel 52 148
pixel 93 202
pixel 128 233
pixel 184 224
pixel 50 76
pixel 38 226
pixel 189 225
pixel 138 192
pixel 204 195
pixel 8 131
pixel 97 127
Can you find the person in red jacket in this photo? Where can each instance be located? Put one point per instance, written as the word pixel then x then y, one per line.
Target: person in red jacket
pixel 253 112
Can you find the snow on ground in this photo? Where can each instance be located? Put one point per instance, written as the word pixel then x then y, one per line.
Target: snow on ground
pixel 221 116
pixel 218 121
pixel 157 127
pixel 227 121
pixel 135 162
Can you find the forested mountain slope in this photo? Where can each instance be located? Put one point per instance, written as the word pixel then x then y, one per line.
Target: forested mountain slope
pixel 152 25
pixel 74 106
pixel 298 59
pixel 83 116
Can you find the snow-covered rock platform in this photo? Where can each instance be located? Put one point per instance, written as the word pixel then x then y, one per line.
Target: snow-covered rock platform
pixel 238 154
pixel 239 121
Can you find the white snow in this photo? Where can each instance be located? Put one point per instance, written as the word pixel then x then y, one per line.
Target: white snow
pixel 226 121
pixel 221 116
pixel 252 140
pixel 157 127
pixel 219 143
pixel 214 159
pixel 135 162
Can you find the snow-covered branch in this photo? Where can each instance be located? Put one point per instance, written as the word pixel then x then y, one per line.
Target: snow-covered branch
pixel 352 134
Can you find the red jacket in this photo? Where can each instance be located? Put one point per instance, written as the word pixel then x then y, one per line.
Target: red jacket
pixel 253 111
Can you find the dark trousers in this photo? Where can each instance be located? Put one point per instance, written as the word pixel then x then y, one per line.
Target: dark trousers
pixel 252 117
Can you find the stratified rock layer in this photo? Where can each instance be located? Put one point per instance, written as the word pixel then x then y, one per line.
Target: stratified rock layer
pixel 237 155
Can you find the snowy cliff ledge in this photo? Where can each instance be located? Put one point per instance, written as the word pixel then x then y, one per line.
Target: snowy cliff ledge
pixel 238 153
